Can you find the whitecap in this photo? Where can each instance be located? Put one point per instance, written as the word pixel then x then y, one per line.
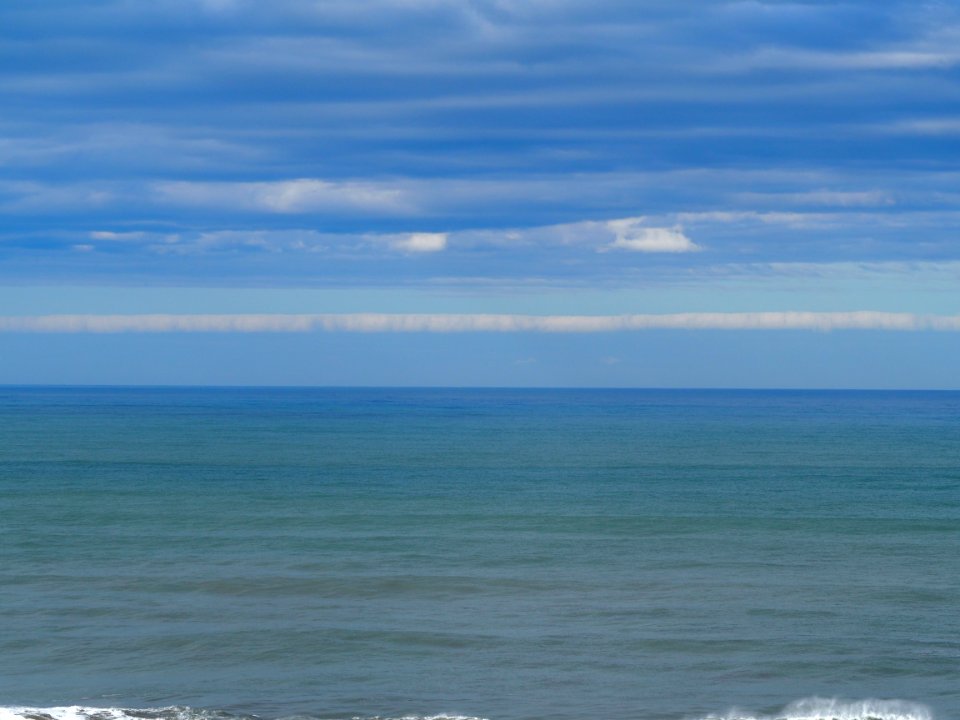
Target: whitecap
pixel 817 708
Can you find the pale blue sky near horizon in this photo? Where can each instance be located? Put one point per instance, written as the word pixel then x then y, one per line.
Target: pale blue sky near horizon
pixel 476 157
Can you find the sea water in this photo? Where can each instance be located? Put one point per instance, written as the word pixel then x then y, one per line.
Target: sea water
pixel 506 554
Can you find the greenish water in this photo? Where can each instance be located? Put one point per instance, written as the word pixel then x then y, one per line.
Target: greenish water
pixel 501 554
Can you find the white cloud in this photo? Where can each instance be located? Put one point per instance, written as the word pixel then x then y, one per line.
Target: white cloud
pixel 922 126
pixel 893 59
pixel 453 323
pixel 883 60
pixel 116 236
pixel 421 242
pixel 623 234
pixel 630 234
pixel 919 273
pixel 838 198
pixel 302 195
pixel 790 219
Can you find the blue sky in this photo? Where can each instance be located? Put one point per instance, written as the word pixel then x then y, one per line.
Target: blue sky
pixel 712 170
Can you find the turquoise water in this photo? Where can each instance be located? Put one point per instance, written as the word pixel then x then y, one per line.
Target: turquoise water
pixel 488 553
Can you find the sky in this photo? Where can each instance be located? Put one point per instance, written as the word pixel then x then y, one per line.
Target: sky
pixel 627 193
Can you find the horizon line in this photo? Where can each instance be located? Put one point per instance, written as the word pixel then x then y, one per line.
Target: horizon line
pixel 612 388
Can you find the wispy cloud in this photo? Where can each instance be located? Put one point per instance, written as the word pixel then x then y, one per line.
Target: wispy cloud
pixel 787 219
pixel 381 142
pixel 892 59
pixel 631 234
pixel 454 323
pixel 302 195
pixel 113 236
pixel 923 126
pixel 420 242
pixel 836 198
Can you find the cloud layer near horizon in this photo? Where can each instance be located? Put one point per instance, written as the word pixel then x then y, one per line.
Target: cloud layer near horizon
pixel 498 323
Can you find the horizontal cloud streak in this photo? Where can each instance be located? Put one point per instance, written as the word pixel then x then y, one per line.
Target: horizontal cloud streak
pixel 454 323
pixel 302 195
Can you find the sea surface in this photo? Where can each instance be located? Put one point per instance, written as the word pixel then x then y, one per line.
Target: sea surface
pixel 505 554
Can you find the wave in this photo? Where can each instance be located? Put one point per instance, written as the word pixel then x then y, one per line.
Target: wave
pixel 79 712
pixel 816 708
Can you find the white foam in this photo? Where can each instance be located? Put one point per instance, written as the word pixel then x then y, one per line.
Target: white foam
pixel 813 708
pixel 441 716
pixel 72 712
pixel 816 708
pixel 80 712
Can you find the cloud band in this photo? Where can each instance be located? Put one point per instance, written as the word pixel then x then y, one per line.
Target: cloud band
pixel 453 323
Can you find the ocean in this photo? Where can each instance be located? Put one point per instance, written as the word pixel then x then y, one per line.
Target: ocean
pixel 209 553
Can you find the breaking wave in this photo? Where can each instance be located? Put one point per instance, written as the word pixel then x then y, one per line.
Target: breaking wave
pixel 816 708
